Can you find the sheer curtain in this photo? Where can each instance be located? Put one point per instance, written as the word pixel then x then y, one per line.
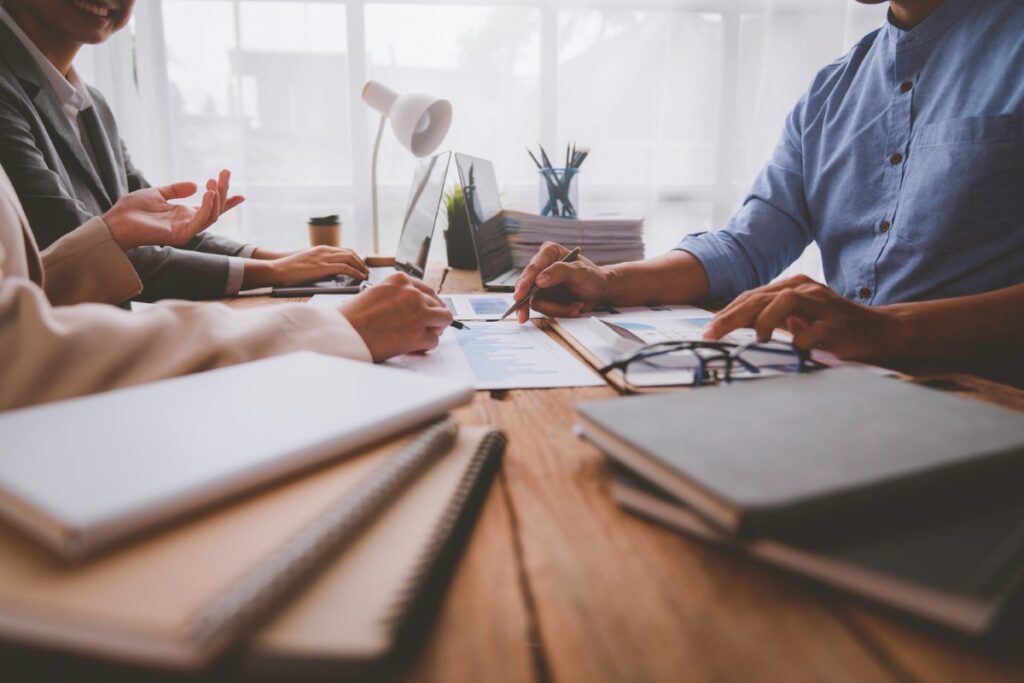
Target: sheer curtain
pixel 680 101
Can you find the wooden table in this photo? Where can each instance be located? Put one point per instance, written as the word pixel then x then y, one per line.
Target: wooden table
pixel 557 584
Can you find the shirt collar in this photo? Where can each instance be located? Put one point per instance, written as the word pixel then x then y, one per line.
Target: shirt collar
pixel 70 91
pixel 929 29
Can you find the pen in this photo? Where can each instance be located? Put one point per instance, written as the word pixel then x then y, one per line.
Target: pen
pixel 458 325
pixel 569 258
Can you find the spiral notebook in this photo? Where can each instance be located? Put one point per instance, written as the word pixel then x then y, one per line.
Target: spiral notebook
pixel 147 604
pixel 125 461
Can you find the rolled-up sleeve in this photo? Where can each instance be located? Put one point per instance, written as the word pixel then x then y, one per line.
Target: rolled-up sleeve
pixel 769 231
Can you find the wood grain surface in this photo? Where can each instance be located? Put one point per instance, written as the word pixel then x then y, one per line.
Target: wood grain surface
pixel 557 584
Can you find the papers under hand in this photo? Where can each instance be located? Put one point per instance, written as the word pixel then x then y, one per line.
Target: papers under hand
pixel 502 356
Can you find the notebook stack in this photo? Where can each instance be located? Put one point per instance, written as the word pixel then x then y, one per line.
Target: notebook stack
pixel 603 240
pixel 896 493
pixel 298 534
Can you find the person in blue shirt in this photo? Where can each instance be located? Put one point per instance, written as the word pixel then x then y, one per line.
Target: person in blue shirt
pixel 904 162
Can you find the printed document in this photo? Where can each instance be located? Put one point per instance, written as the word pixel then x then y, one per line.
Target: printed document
pixel 462 306
pixel 502 355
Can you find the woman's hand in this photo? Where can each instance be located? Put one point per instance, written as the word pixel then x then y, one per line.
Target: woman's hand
pixel 399 315
pixel 309 265
pixel 146 217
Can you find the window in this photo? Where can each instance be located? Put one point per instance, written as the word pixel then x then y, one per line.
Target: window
pixel 679 100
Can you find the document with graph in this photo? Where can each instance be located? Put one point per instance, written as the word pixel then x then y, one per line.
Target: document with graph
pixel 462 306
pixel 503 355
pixel 481 306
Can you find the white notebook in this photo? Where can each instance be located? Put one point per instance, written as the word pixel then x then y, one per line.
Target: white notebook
pixel 83 473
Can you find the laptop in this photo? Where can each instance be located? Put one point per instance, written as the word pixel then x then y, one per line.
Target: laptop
pixel 413 244
pixel 486 221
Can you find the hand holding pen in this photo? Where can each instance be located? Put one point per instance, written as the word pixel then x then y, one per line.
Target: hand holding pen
pixel 560 283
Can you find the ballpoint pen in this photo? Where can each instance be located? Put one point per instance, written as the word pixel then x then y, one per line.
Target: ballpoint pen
pixel 569 258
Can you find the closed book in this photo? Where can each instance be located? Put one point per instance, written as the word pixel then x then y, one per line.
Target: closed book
pixel 956 566
pixel 142 605
pixel 82 474
pixel 802 451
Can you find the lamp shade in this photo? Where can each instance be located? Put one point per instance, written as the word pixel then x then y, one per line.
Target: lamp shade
pixel 420 122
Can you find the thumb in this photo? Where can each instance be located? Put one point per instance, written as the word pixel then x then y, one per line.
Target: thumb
pixel 556 274
pixel 177 190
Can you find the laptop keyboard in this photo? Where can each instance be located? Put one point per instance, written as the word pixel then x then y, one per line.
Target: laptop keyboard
pixel 507 279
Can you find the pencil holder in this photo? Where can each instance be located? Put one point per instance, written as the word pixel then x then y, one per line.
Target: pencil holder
pixel 559 192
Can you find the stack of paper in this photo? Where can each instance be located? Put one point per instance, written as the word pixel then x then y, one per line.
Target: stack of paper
pixel 607 239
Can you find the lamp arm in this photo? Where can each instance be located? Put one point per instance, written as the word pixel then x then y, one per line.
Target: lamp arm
pixel 373 184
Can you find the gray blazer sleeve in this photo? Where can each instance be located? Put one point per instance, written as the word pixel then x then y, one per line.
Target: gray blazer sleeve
pixel 53 211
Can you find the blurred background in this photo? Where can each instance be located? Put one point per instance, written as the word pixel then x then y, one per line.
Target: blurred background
pixel 680 101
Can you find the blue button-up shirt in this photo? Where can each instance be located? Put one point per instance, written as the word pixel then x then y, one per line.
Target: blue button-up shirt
pixel 904 161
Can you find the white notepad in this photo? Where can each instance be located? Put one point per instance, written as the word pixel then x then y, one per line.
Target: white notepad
pixel 82 473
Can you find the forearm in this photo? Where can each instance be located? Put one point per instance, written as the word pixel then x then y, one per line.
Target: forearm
pixel 673 278
pixel 958 327
pixel 262 254
pixel 259 273
pixel 54 353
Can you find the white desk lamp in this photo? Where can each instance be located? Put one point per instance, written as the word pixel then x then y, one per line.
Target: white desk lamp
pixel 420 123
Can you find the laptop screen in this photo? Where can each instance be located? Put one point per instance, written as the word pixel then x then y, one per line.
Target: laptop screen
pixel 483 203
pixel 421 214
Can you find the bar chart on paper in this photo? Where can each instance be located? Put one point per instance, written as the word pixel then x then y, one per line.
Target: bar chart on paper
pixel 502 356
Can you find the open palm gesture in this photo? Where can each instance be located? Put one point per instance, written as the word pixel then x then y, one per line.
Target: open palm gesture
pixel 146 217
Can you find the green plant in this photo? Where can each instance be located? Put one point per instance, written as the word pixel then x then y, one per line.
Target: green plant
pixel 455 204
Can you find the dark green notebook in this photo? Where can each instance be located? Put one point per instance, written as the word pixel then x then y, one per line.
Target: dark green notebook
pixel 806 451
pixel 956 566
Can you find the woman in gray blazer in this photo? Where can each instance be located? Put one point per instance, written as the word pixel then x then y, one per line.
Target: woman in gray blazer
pixel 60 145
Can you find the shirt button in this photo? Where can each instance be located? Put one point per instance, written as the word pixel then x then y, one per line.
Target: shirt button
pixel 905 86
pixel 864 292
pixel 884 226
pixel 895 158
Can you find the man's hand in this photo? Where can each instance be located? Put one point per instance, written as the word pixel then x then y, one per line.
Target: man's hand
pixel 399 315
pixel 145 217
pixel 566 289
pixel 816 316
pixel 309 265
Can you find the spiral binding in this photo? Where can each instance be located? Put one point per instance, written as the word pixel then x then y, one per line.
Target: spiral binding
pixel 491 446
pixel 259 590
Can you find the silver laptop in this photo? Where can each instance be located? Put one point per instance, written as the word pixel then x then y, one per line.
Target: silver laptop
pixel 413 244
pixel 483 204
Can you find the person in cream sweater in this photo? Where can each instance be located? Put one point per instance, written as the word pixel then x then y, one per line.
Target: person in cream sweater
pixel 54 346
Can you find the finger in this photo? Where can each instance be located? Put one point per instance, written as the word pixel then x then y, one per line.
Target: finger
pixel 556 309
pixel 232 202
pixel 344 269
pixel 211 186
pixel 177 190
pixel 352 259
pixel 428 290
pixel 436 316
pixel 818 335
pixel 545 256
pixel 559 273
pixel 201 219
pixel 797 281
pixel 426 340
pixel 790 303
pixel 223 182
pixel 740 315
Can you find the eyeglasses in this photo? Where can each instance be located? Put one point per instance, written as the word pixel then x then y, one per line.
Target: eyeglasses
pixel 706 362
